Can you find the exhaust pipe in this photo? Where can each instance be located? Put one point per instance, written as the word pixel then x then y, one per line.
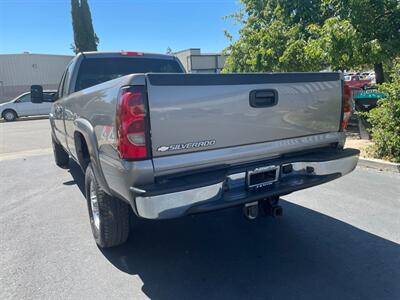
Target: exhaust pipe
pixel 250 210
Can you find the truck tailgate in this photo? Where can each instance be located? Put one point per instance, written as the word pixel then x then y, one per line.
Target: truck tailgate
pixel 199 112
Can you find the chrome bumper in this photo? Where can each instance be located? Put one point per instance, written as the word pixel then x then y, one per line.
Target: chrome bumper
pixel 177 204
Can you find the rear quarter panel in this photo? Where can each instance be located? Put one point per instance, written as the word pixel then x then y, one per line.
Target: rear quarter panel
pixel 97 105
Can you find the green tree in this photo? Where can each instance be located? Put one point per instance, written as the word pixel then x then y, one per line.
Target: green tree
pixel 378 24
pixel 298 35
pixel 85 39
pixel 385 121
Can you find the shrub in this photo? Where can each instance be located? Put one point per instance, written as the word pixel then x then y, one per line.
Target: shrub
pixel 385 121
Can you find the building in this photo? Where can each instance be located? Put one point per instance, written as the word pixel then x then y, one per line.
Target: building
pixel 19 71
pixel 196 62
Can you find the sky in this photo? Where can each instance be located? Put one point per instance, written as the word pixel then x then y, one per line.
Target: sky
pixel 44 26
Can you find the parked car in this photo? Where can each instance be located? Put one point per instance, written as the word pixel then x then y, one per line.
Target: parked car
pixel 22 106
pixel 355 81
pixel 366 74
pixel 372 78
pixel 347 77
pixel 168 144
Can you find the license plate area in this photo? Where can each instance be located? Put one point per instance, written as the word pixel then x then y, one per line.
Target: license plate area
pixel 263 176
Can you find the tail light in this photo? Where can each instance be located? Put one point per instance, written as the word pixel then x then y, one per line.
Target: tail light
pixel 132 53
pixel 346 106
pixel 131 123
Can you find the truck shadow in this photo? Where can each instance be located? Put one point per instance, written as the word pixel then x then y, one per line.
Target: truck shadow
pixel 77 175
pixel 220 255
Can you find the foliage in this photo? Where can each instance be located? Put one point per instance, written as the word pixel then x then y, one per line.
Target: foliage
pixel 393 69
pixel 385 120
pixel 297 35
pixel 378 24
pixel 85 39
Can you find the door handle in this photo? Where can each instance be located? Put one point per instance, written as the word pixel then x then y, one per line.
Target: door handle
pixel 263 98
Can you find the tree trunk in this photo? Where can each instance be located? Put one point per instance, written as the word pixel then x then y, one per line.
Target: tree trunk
pixel 380 77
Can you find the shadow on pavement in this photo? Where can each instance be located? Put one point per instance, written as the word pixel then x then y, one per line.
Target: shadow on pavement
pixel 78 176
pixel 220 255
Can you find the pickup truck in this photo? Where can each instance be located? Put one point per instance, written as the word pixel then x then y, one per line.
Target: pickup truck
pixel 357 82
pixel 165 144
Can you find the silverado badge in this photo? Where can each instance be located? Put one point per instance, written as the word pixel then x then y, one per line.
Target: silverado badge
pixel 186 146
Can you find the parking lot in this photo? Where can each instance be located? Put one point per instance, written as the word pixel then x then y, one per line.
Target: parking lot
pixel 336 241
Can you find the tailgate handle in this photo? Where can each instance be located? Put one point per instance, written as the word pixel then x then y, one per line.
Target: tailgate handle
pixel 263 98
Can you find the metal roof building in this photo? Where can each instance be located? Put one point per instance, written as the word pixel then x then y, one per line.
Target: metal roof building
pixel 196 62
pixel 19 71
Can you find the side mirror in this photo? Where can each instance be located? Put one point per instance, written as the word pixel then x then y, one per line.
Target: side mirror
pixel 55 97
pixel 36 94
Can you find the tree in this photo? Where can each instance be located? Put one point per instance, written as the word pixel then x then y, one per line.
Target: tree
pixel 169 51
pixel 385 120
pixel 378 24
pixel 298 35
pixel 85 39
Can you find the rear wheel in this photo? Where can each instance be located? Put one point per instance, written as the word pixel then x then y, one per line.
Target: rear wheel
pixel 109 216
pixel 9 115
pixel 61 156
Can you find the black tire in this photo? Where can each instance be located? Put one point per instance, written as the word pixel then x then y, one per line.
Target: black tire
pixel 61 156
pixel 9 115
pixel 112 227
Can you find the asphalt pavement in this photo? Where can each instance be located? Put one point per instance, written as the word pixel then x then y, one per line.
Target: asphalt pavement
pixel 336 241
pixel 27 137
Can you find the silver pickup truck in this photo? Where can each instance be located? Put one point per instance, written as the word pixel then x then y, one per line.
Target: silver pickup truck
pixel 167 144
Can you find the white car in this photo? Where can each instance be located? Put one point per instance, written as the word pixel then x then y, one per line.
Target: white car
pixel 347 77
pixel 22 106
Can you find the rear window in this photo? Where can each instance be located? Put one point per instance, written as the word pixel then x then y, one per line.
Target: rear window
pixel 94 71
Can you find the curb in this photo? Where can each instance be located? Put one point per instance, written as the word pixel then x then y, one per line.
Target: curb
pixel 22 119
pixel 379 164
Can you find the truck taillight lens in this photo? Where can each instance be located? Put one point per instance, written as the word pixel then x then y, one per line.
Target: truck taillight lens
pixel 132 53
pixel 131 123
pixel 346 106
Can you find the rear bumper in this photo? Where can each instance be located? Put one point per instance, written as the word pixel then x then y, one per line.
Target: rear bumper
pixel 228 188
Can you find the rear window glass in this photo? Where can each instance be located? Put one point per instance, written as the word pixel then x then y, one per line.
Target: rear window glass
pixel 94 71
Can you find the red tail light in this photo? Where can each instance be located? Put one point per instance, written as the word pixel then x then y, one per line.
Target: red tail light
pixel 131 123
pixel 346 106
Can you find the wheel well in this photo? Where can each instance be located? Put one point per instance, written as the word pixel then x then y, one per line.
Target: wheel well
pixel 8 109
pixel 82 150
